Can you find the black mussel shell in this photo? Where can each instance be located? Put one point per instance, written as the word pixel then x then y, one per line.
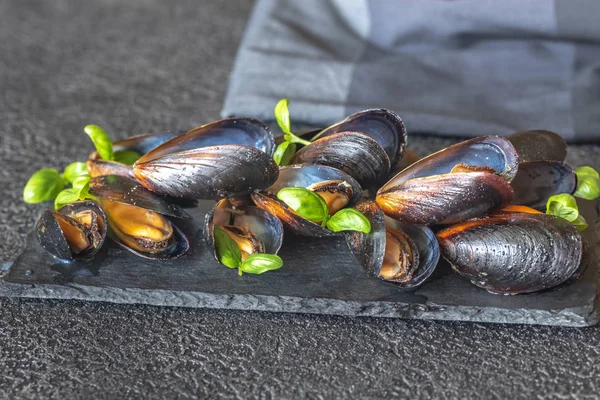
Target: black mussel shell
pixel 225 158
pixel 490 152
pixel 406 161
pixel 445 198
pixel 369 249
pixel 385 126
pixel 515 253
pixel 301 176
pixel 208 172
pixel 141 144
pixel 52 238
pixel 264 225
pixel 354 153
pixel 539 145
pixel 537 181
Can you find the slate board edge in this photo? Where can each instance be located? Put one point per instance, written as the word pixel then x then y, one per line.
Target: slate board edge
pixel 572 317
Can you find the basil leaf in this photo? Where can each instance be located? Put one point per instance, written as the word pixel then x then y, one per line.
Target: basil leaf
pixel 259 263
pixel 284 153
pixel 282 115
pixel 73 170
pixel 44 185
pixel 127 157
pixel 65 197
pixel 349 219
pixel 304 202
pixel 101 141
pixel 588 183
pixel 580 223
pixel 227 250
pixel 563 205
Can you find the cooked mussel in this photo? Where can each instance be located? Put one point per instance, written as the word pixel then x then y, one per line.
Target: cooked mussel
pixel 460 182
pixel 225 158
pixel 337 188
pixel 253 229
pixel 383 125
pixel 542 171
pixel 365 145
pixel 402 254
pixel 539 145
pixel 140 144
pixel 514 252
pixel 537 181
pixel 75 231
pixel 139 219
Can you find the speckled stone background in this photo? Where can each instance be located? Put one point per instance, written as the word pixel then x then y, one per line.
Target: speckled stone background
pixel 137 66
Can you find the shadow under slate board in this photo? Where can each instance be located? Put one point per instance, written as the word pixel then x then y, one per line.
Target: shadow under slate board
pixel 319 276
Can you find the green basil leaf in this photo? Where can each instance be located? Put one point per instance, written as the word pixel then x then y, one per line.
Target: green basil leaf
pixel 101 141
pixel 127 157
pixel 227 250
pixel 580 223
pixel 73 170
pixel 65 197
pixel 282 115
pixel 349 219
pixel 284 153
pixel 259 263
pixel 588 183
pixel 563 205
pixel 44 185
pixel 304 202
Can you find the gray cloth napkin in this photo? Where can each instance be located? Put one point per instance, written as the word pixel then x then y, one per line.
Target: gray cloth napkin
pixel 463 68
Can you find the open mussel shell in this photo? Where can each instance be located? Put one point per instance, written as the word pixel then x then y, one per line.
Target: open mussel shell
pixel 252 219
pixel 490 152
pixel 302 176
pixel 122 190
pixel 76 231
pixel 355 153
pixel 141 144
pixel 446 198
pixel 418 252
pixel 225 158
pixel 537 181
pixel 539 145
pixel 512 253
pixel 385 126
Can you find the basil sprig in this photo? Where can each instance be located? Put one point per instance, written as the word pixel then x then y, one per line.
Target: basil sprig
pixel 78 192
pixel 588 183
pixel 311 206
pixel 565 206
pixel 43 185
pixel 104 146
pixel 228 253
pixel 286 149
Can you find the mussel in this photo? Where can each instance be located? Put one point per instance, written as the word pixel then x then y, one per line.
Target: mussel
pixel 337 188
pixel 542 170
pixel 515 252
pixel 463 181
pixel 140 144
pixel 395 252
pixel 224 158
pixel 139 219
pixel 365 145
pixel 76 231
pixel 253 229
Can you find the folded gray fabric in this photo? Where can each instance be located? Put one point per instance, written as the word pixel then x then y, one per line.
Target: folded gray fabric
pixel 463 68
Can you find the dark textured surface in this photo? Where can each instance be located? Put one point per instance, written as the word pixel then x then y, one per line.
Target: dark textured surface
pixel 140 66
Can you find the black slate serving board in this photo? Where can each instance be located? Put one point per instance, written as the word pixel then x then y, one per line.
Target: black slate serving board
pixel 319 276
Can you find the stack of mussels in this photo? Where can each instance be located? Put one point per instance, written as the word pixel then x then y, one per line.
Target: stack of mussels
pixel 475 203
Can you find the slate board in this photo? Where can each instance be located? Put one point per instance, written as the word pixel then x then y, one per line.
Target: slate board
pixel 319 276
